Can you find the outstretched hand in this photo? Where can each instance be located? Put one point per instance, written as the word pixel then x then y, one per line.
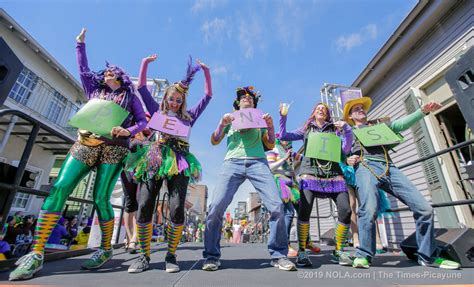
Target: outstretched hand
pixel 151 58
pixel 430 107
pixel 268 120
pixel 226 120
pixel 204 67
pixel 82 36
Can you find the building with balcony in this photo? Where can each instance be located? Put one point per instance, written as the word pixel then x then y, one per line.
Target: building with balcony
pixel 46 91
pixel 409 69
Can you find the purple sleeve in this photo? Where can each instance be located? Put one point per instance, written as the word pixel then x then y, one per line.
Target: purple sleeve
pixel 347 139
pixel 197 110
pixel 294 135
pixel 84 71
pixel 151 105
pixel 138 115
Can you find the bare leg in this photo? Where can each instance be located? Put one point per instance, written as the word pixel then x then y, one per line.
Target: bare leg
pixel 353 204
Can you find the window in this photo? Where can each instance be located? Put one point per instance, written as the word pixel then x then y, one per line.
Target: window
pixel 20 200
pixel 56 107
pixel 24 86
pixel 31 178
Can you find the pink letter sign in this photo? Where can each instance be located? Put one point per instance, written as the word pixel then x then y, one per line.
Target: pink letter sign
pixel 248 119
pixel 169 125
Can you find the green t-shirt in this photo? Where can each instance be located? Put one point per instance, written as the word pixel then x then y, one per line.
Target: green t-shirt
pixel 244 143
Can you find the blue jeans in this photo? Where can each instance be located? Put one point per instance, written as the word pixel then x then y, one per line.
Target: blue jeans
pixel 398 185
pixel 289 215
pixel 234 173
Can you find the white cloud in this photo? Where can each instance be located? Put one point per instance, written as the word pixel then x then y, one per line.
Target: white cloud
pixel 201 5
pixel 215 30
pixel 289 20
pixel 251 36
pixel 347 42
pixel 219 70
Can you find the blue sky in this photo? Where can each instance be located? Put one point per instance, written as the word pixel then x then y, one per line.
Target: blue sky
pixel 286 49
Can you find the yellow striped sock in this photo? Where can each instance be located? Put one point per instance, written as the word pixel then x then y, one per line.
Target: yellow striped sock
pixel 342 231
pixel 144 233
pixel 47 220
pixel 107 228
pixel 175 232
pixel 303 232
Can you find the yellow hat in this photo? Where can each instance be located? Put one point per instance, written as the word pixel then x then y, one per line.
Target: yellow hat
pixel 365 101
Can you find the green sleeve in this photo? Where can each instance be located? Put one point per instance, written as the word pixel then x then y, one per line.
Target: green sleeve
pixel 407 121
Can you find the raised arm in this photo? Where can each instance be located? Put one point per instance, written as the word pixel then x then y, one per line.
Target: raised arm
pixel 143 70
pixel 151 105
pixel 407 121
pixel 197 109
pixel 84 71
pixel 221 129
pixel 294 135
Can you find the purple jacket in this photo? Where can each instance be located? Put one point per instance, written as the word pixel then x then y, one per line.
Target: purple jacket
pixel 91 88
pixel 152 106
pixel 299 134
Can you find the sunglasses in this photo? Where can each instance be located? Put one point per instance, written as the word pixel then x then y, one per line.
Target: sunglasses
pixel 178 100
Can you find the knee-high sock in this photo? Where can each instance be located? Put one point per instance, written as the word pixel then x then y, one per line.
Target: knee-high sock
pixel 144 233
pixel 342 231
pixel 107 228
pixel 46 222
pixel 175 232
pixel 303 232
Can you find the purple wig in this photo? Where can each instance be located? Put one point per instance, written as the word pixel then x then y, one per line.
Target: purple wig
pixel 122 76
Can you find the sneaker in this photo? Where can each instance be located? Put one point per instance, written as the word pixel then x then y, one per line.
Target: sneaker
pixel 283 264
pixel 28 265
pixel 440 263
pixel 211 265
pixel 141 264
pixel 303 259
pixel 292 252
pixel 171 265
pixel 314 248
pixel 99 258
pixel 341 258
pixel 361 262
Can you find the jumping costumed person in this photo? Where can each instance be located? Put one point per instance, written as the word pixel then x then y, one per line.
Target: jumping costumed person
pixel 168 159
pixel 89 152
pixel 321 179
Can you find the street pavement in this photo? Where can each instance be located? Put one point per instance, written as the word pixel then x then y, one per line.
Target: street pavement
pixel 242 265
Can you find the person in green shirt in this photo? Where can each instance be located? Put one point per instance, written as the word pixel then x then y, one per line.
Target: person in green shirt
pixel 246 159
pixel 375 170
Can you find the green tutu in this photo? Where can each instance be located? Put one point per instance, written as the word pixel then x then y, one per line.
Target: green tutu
pixel 160 161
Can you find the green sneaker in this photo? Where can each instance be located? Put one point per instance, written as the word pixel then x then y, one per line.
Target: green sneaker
pixel 28 266
pixel 99 258
pixel 342 258
pixel 361 262
pixel 440 263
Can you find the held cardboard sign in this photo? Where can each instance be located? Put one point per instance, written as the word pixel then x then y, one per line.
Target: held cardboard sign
pixel 169 125
pixel 325 146
pixel 377 135
pixel 248 119
pixel 99 117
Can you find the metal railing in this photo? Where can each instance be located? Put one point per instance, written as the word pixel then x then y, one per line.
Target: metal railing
pixel 405 208
pixel 12 188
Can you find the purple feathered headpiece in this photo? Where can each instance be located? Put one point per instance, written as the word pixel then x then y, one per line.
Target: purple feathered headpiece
pixel 122 76
pixel 183 85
